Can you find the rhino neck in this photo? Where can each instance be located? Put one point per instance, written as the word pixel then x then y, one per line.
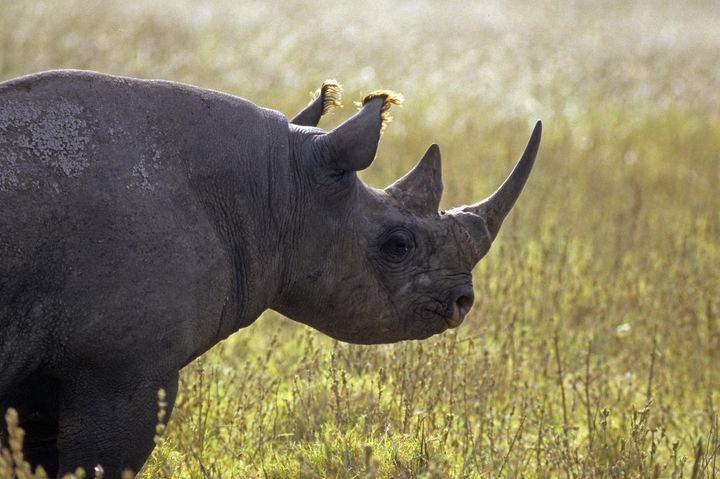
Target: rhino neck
pixel 307 266
pixel 247 195
pixel 291 231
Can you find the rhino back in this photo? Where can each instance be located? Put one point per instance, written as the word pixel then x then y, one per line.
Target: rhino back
pixel 114 237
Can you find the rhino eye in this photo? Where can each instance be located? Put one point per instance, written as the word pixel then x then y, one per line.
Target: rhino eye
pixel 397 245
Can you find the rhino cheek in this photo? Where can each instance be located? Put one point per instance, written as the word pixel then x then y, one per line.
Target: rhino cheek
pixel 404 289
pixel 424 281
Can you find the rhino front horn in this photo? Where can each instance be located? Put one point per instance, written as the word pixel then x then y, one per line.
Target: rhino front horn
pixel 495 208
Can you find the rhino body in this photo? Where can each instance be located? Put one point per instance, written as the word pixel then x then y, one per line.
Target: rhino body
pixel 137 230
pixel 141 222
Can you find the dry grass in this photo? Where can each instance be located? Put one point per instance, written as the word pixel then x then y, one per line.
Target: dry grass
pixel 594 346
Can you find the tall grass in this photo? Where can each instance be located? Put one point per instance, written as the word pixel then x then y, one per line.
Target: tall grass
pixel 594 345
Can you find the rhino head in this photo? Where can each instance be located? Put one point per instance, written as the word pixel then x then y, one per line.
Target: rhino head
pixel 381 265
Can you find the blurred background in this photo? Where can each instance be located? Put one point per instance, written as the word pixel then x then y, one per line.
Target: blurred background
pixel 594 345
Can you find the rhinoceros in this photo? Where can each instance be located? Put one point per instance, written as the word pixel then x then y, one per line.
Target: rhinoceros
pixel 143 221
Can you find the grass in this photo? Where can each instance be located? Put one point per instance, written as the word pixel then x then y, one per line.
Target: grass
pixel 594 344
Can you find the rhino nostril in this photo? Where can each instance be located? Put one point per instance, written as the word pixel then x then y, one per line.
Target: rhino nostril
pixel 461 300
pixel 463 303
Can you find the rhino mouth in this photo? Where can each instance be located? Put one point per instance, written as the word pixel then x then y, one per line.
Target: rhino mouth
pixel 454 320
pixel 451 312
pixel 434 315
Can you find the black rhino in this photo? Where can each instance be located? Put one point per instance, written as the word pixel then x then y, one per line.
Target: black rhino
pixel 141 222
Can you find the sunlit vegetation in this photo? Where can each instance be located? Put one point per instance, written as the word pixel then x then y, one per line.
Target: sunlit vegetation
pixel 593 349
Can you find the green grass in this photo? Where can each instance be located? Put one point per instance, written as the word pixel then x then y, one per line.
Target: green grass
pixel 593 349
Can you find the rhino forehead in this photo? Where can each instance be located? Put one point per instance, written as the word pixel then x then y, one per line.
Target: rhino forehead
pixel 56 134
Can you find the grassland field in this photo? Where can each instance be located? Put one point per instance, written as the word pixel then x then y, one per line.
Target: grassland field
pixel 593 349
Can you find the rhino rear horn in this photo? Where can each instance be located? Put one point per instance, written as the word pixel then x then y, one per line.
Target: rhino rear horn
pixel 495 208
pixel 326 98
pixel 353 144
pixel 421 188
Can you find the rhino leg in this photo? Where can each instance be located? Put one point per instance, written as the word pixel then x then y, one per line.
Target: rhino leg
pixel 36 401
pixel 111 422
pixel 40 447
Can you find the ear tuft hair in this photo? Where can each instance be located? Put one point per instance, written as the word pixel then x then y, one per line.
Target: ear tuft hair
pixel 331 93
pixel 389 98
pixel 323 101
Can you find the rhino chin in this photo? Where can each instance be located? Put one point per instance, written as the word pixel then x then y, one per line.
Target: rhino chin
pixel 415 331
pixel 426 328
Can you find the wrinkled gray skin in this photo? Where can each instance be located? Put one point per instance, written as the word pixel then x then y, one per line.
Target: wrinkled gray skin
pixel 141 222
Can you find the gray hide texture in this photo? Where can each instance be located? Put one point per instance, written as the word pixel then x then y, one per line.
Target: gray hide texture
pixel 141 222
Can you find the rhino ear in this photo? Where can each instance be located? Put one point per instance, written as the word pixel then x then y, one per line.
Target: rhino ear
pixel 353 144
pixel 421 188
pixel 324 100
